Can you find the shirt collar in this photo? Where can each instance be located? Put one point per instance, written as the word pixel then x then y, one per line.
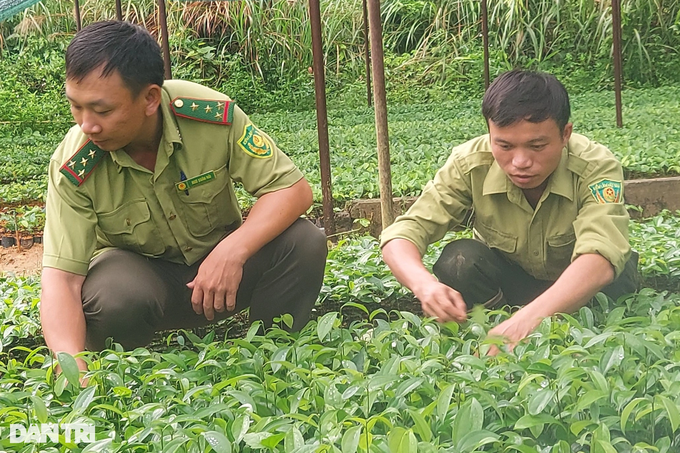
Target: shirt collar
pixel 170 139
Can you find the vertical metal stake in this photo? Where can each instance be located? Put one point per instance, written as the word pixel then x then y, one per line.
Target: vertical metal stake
pixel 485 38
pixel 76 10
pixel 380 103
pixel 163 19
pixel 367 53
pixel 322 118
pixel 119 10
pixel 618 77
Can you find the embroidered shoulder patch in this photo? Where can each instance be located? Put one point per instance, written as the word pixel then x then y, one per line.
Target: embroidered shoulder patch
pixel 607 191
pixel 254 143
pixel 204 110
pixel 80 166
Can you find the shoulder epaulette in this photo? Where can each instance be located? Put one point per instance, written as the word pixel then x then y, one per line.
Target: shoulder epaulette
pixel 80 166
pixel 205 110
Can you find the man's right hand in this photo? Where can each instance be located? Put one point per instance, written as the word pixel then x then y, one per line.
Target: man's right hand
pixel 438 300
pixel 441 301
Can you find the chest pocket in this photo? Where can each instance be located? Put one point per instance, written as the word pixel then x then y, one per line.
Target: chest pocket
pixel 560 248
pixel 496 239
pixel 130 227
pixel 207 206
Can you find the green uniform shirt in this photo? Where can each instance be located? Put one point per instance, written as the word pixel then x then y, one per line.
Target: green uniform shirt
pixel 580 212
pixel 182 209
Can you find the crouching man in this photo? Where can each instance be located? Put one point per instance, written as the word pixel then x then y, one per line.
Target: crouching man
pixel 144 231
pixel 550 226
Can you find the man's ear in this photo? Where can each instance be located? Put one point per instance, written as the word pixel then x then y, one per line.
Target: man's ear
pixel 566 133
pixel 152 99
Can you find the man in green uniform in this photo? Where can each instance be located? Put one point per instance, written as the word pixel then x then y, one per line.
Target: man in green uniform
pixel 550 226
pixel 143 227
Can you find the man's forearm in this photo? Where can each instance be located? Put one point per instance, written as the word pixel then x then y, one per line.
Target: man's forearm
pixel 405 262
pixel 61 311
pixel 271 214
pixel 584 277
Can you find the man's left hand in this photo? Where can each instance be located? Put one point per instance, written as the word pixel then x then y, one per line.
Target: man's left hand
pixel 217 281
pixel 513 330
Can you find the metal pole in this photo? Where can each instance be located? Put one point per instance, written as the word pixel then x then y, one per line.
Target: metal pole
pixel 163 19
pixel 485 38
pixel 76 10
pixel 367 53
pixel 380 103
pixel 618 77
pixel 322 118
pixel 119 10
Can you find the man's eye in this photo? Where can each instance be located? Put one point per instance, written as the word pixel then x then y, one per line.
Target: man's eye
pixel 102 112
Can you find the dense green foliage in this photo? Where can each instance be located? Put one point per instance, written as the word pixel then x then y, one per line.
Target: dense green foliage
pixel 421 138
pixel 370 379
pixel 260 52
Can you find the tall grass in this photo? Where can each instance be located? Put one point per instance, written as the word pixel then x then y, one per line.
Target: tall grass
pixel 438 39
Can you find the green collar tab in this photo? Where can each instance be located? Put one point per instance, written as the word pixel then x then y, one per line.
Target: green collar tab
pixel 80 166
pixel 184 186
pixel 204 110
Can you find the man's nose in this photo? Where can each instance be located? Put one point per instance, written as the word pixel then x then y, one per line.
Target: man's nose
pixel 89 125
pixel 521 160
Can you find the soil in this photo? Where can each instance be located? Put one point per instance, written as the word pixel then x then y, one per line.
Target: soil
pixel 24 262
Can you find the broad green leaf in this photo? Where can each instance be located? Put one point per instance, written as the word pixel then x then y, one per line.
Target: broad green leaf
pixel 589 398
pixel 272 441
pixel 350 440
pixel 540 400
pixel 671 411
pixel 401 440
pixel 99 445
pixel 408 386
pixel 278 357
pixel 39 408
pixel 293 440
pixel 528 421
pixel 240 427
pixel 476 439
pixel 217 441
pixel 630 407
pixel 469 418
pixel 443 401
pixel 70 368
pixel 84 399
pixel 325 324
pixel 420 426
pixel 612 357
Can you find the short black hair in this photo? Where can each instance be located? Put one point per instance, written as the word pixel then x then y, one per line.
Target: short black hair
pixel 526 95
pixel 118 46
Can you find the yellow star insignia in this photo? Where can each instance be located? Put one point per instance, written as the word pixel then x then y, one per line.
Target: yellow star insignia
pixel 81 173
pixel 220 105
pixel 91 153
pixel 83 161
pixel 71 163
pixel 208 109
pixel 218 115
pixel 194 106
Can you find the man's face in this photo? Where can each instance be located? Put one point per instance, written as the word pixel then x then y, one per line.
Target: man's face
pixel 106 110
pixel 528 152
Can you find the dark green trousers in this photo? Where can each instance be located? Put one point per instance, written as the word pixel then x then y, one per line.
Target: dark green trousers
pixel 129 297
pixel 484 276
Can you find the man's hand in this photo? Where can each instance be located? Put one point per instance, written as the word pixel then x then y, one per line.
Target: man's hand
pixel 441 301
pixel 512 330
pixel 217 281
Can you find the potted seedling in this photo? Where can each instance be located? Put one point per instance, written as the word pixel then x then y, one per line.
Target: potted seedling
pixel 9 227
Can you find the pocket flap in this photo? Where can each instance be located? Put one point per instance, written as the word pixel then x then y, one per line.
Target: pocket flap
pixel 562 240
pixel 496 239
pixel 125 218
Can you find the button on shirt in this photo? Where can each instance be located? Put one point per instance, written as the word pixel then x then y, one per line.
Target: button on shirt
pixel 125 205
pixel 568 220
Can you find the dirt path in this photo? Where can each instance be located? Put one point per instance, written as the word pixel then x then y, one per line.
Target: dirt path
pixel 26 262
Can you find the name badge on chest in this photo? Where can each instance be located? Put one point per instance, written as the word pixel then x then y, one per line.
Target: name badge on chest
pixel 187 183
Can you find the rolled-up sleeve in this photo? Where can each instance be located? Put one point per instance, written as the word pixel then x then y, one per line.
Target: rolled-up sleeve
pixel 440 207
pixel 602 226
